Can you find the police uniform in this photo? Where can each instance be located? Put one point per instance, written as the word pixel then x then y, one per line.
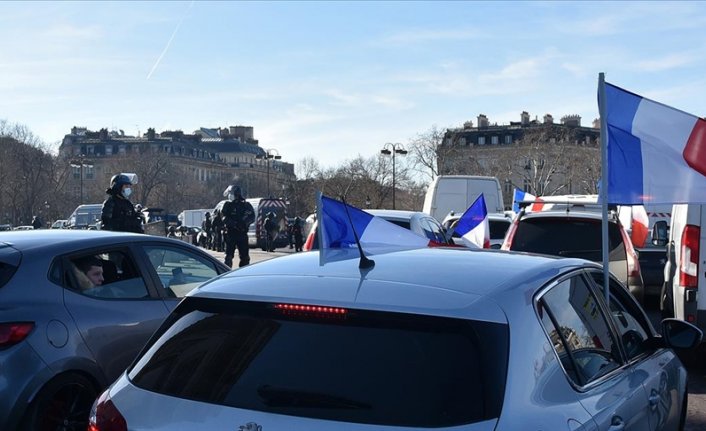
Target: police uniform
pixel 237 216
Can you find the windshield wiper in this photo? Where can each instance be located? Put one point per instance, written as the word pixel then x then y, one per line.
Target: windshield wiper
pixel 286 397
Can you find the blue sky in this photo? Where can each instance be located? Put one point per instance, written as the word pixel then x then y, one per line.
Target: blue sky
pixel 334 80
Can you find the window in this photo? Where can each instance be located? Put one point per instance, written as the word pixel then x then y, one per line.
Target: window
pixel 579 331
pixel 433 230
pixel 481 140
pixel 106 275
pixel 508 139
pixel 627 318
pixel 567 237
pixel 494 140
pixel 448 372
pixel 179 271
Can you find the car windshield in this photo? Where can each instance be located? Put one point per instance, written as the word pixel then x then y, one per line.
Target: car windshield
pixel 254 356
pixel 566 237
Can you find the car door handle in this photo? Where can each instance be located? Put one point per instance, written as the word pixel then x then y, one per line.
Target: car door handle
pixel 654 400
pixel 617 424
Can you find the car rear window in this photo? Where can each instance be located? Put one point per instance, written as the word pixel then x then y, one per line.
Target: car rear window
pixel 498 228
pixel 362 367
pixel 567 237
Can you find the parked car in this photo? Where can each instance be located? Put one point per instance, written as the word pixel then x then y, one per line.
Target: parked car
pixel 530 343
pixel 575 231
pixel 64 338
pixel 497 223
pixel 60 224
pixel 23 228
pixel 418 222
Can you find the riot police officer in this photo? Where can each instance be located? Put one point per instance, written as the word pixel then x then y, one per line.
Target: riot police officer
pixel 118 213
pixel 237 216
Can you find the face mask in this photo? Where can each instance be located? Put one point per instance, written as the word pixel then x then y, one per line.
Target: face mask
pixel 127 192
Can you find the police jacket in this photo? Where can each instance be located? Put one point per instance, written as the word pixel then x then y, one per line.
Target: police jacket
pixel 238 215
pixel 119 214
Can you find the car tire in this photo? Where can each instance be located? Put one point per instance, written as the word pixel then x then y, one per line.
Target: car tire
pixel 63 403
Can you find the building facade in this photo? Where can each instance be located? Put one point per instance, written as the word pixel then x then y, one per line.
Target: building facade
pixel 176 171
pixel 539 157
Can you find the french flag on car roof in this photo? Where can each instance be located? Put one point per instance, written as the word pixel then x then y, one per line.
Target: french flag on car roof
pixel 336 229
pixel 473 226
pixel 656 153
pixel 521 196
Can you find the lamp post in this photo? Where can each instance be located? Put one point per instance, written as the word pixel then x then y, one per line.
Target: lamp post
pixel 270 153
pixel 80 163
pixel 47 207
pixel 392 149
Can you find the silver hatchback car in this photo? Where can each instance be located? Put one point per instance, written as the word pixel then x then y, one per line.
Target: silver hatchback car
pixel 437 338
pixel 76 307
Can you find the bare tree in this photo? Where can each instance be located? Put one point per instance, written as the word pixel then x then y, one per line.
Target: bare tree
pixel 436 152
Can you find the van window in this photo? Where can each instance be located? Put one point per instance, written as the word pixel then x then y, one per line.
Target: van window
pixel 448 372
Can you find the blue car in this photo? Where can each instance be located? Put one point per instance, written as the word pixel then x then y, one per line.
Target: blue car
pixel 76 307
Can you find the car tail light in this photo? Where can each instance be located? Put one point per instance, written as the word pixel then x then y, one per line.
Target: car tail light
pixel 310 310
pixel 689 264
pixel 510 235
pixel 105 416
pixel 13 333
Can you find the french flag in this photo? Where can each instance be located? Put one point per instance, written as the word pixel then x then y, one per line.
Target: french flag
pixel 473 226
pixel 635 218
pixel 522 196
pixel 336 229
pixel 656 153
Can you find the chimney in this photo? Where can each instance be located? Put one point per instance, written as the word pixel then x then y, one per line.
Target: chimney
pixel 468 124
pixel 524 118
pixel 596 123
pixel 548 119
pixel 483 121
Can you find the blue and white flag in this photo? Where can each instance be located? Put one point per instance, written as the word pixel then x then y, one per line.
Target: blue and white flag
pixel 336 229
pixel 656 153
pixel 520 196
pixel 473 226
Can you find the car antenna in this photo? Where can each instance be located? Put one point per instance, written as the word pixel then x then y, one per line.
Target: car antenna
pixel 364 261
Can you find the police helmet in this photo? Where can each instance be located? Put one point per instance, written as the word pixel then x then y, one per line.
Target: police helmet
pixel 118 181
pixel 233 190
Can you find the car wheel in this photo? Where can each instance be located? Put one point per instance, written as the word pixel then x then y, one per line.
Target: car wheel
pixel 62 404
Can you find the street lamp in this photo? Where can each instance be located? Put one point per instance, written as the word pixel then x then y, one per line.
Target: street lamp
pixel 270 153
pixel 47 207
pixel 80 163
pixel 392 149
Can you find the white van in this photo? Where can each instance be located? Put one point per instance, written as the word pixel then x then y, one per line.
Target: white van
pixel 456 193
pixel 684 290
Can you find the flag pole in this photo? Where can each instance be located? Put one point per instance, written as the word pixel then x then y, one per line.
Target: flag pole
pixel 604 182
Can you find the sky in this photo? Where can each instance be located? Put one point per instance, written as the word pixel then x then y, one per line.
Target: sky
pixel 337 80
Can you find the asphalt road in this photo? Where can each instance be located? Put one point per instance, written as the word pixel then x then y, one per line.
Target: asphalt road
pixel 694 361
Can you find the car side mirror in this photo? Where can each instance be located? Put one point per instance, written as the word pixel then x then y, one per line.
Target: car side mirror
pixel 659 233
pixel 680 334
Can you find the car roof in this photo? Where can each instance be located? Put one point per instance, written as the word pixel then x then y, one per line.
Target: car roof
pixel 62 239
pixel 571 213
pixel 435 281
pixel 396 214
